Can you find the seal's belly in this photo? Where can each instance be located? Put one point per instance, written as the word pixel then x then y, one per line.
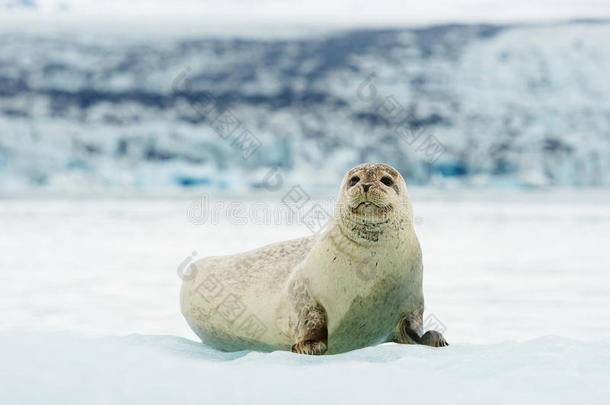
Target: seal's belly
pixel 369 320
pixel 353 332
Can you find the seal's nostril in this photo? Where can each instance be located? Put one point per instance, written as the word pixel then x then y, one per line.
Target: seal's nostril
pixel 366 187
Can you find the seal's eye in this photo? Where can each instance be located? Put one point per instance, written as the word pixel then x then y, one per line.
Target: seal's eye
pixel 354 180
pixel 387 181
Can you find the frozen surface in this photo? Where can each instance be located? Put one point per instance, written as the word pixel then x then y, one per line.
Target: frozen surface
pixel 67 369
pixel 519 280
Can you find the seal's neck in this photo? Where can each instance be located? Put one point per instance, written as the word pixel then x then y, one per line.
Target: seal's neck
pixel 379 233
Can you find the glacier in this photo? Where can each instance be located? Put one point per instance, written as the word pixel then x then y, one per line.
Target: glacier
pixel 505 105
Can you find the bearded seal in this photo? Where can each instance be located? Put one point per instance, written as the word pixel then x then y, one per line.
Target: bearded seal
pixel 356 284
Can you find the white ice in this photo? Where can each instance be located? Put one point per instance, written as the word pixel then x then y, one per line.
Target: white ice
pixel 89 305
pixel 148 369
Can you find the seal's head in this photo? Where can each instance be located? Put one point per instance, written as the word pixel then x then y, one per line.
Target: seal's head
pixel 373 197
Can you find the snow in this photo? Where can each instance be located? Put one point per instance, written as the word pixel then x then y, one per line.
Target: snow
pixel 518 280
pixel 155 369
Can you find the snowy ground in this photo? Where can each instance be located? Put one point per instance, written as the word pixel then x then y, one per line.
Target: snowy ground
pixel 65 369
pixel 89 305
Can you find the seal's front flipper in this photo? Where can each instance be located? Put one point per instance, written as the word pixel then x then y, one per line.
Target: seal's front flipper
pixel 307 320
pixel 434 339
pixel 309 347
pixel 311 331
pixel 408 331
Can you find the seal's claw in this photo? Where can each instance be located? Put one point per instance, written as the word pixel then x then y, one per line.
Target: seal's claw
pixel 434 339
pixel 313 347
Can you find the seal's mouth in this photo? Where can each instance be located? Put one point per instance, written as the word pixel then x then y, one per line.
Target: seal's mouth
pixel 370 206
pixel 366 204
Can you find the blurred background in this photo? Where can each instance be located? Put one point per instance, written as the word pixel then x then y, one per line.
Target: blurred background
pixel 157 96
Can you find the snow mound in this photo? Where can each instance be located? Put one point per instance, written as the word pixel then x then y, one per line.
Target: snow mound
pixel 65 368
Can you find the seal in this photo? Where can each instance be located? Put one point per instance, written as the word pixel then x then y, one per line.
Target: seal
pixel 357 284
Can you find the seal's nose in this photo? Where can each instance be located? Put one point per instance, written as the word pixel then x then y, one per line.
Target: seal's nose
pixel 366 187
